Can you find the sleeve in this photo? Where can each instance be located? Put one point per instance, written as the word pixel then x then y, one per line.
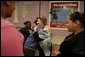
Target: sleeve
pixel 79 47
pixel 22 30
pixel 11 42
pixel 43 34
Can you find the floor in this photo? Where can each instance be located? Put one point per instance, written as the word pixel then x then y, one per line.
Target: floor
pixel 56 41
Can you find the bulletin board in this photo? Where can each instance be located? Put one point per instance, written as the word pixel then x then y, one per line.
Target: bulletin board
pixel 58 12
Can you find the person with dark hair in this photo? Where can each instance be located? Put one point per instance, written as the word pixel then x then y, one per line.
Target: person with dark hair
pixel 73 45
pixel 11 38
pixel 31 44
pixel 26 30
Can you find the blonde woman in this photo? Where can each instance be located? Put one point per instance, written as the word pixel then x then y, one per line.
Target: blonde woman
pixel 44 37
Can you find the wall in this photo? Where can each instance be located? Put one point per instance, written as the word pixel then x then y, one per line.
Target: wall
pixel 29 10
pixel 26 10
pixel 82 6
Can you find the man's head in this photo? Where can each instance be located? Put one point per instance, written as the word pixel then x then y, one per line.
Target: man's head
pixel 7 8
pixel 27 24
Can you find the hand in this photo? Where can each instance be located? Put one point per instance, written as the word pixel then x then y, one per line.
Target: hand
pixel 55 52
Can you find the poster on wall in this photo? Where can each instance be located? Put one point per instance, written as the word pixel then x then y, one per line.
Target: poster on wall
pixel 58 12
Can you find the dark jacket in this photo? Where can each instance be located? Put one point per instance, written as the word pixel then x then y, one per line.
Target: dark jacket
pixel 25 32
pixel 73 46
pixel 31 42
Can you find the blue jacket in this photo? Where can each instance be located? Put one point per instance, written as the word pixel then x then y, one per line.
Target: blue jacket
pixel 31 42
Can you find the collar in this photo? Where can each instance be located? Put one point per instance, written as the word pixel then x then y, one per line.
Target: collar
pixel 82 29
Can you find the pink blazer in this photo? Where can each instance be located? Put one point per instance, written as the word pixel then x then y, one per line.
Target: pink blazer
pixel 11 40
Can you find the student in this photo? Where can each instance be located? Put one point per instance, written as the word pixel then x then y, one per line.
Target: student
pixel 26 30
pixel 11 38
pixel 73 45
pixel 31 42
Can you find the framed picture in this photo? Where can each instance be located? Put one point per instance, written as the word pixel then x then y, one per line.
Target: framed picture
pixel 59 10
